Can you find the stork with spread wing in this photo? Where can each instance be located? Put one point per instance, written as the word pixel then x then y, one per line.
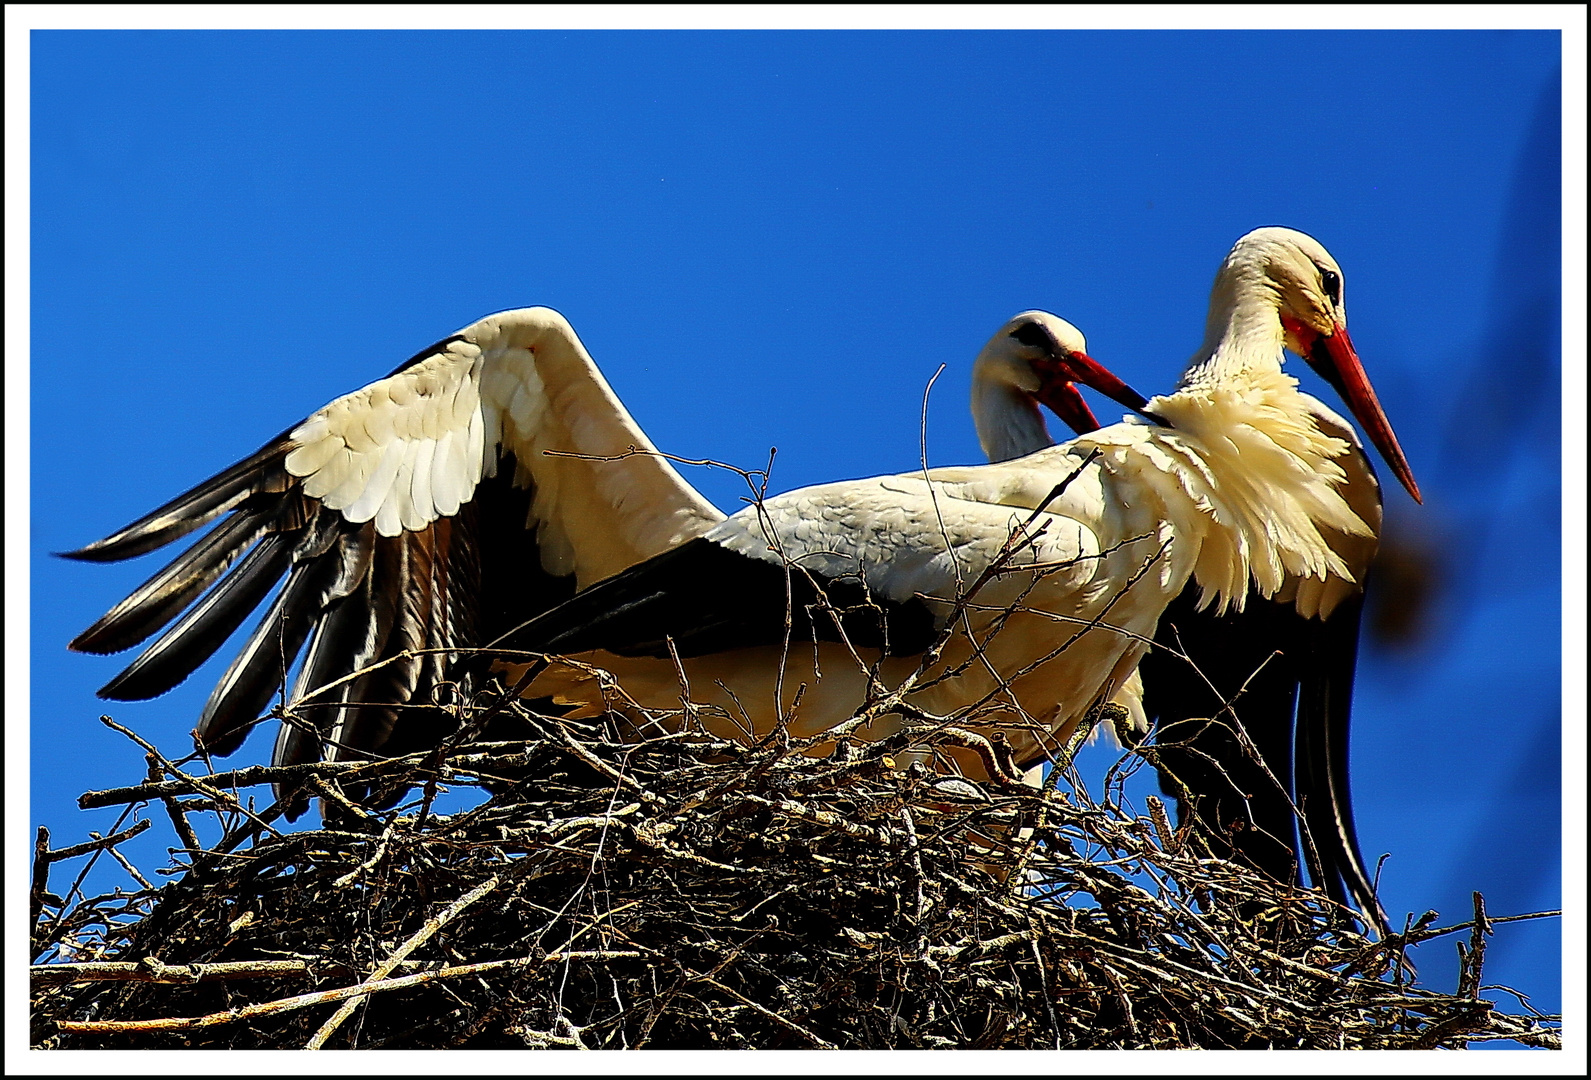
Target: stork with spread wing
pixel 423 515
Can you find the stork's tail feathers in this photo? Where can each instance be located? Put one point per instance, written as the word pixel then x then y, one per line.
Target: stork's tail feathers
pixel 1268 774
pixel 1325 803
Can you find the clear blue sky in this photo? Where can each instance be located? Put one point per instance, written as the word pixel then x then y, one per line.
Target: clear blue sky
pixel 774 239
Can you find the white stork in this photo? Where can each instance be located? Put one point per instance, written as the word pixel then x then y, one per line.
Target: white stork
pixel 1275 661
pixel 422 512
pixel 1276 665
pixel 788 613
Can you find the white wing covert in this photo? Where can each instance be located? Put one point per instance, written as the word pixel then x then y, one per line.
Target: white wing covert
pixel 412 447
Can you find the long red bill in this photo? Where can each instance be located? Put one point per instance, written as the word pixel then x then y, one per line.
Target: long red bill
pixel 1334 359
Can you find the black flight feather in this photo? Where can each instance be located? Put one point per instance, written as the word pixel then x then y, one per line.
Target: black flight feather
pixel 1288 681
pixel 158 600
pixel 1234 763
pixel 1324 798
pixel 260 471
pixel 261 666
pixel 197 635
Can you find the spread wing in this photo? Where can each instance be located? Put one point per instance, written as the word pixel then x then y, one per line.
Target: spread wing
pixel 427 511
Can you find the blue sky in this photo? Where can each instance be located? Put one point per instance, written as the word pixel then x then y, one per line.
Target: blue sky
pixel 774 240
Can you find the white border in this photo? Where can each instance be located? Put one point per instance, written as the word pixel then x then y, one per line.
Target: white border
pixel 1571 19
pixel 794 16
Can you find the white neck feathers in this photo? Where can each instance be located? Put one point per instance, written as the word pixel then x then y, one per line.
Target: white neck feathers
pixel 1244 328
pixel 1246 484
pixel 1008 420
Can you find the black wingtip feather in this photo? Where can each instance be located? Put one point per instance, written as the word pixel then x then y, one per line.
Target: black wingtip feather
pixel 192 508
pixel 158 600
pixel 204 629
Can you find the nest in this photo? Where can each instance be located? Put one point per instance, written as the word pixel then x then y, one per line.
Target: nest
pixel 685 892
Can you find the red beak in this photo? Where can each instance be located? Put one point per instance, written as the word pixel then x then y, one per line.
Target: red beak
pixel 1056 388
pixel 1334 359
pixel 1066 401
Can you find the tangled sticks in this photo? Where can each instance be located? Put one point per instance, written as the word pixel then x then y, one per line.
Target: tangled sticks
pixel 687 892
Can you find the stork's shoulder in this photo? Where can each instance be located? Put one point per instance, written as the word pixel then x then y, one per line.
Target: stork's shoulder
pixel 903 533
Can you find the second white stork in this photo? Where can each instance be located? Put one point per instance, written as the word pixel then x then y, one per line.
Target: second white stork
pixel 1252 697
pixel 1252 688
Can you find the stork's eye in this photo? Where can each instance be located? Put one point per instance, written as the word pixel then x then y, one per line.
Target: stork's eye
pixel 1033 335
pixel 1331 281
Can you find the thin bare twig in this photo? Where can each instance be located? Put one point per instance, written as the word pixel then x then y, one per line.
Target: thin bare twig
pixel 401 953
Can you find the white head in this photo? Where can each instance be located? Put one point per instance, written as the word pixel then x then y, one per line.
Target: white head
pixel 1034 359
pixel 1284 270
pixel 1280 287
